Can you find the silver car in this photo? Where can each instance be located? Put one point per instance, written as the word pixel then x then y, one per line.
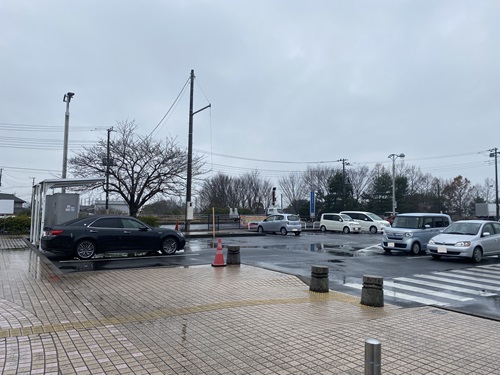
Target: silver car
pixel 282 223
pixel 471 239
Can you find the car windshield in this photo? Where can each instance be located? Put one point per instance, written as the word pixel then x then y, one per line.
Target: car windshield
pixel 373 216
pixel 463 228
pixel 410 222
pixel 346 217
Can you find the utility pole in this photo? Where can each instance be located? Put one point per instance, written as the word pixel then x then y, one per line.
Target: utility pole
pixel 107 171
pixel 67 98
pixel 189 204
pixel 344 163
pixel 32 181
pixel 494 153
pixel 1 176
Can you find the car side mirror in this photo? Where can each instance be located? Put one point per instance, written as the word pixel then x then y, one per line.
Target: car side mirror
pixel 427 226
pixel 144 229
pixel 486 234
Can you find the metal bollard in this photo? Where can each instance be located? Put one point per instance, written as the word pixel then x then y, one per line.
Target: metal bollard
pixel 373 354
pixel 319 279
pixel 233 254
pixel 372 293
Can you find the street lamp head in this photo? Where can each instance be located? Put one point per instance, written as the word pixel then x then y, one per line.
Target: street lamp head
pixel 395 156
pixel 67 97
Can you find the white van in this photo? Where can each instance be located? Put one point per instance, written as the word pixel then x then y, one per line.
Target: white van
pixel 411 232
pixel 369 221
pixel 338 223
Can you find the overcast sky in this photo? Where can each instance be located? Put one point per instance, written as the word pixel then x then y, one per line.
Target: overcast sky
pixel 296 81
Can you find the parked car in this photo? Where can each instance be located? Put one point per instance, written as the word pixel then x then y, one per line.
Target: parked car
pixel 369 221
pixel 411 232
pixel 86 237
pixel 282 223
pixel 471 239
pixel 338 223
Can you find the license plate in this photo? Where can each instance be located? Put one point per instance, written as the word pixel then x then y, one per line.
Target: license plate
pixel 390 244
pixel 442 249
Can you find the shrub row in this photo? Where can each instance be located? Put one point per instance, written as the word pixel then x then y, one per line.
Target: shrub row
pixel 15 224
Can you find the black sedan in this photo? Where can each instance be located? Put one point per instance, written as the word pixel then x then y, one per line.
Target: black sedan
pixel 86 237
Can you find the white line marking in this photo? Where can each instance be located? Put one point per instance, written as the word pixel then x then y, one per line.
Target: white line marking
pixel 393 294
pixel 433 293
pixel 446 287
pixel 461 282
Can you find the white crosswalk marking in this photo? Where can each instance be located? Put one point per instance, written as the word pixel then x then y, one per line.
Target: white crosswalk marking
pixel 433 293
pixel 480 279
pixel 461 282
pixel 446 287
pixel 406 297
pixel 443 288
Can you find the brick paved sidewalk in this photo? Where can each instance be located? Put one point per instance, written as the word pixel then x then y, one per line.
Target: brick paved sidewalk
pixel 208 320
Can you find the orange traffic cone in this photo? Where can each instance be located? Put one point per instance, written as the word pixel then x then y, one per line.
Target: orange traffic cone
pixel 177 225
pixel 219 256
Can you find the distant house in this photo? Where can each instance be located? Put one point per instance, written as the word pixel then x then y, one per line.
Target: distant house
pixel 18 202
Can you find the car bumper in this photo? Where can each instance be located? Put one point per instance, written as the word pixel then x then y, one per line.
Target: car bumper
pixel 450 251
pixel 396 245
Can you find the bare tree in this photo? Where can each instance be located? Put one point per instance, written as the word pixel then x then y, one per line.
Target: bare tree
pixel 459 195
pixel 140 168
pixel 293 188
pixel 360 181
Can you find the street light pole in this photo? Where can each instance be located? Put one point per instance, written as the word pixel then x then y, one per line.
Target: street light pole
pixel 107 170
pixel 394 157
pixel 67 98
pixel 494 152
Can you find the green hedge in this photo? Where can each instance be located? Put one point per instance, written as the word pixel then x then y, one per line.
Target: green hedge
pixel 150 220
pixel 15 224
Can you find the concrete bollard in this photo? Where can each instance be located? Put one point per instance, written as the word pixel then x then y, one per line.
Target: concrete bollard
pixel 233 254
pixel 319 279
pixel 372 293
pixel 373 354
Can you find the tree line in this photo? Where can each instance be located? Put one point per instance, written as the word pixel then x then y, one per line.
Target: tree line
pixel 150 175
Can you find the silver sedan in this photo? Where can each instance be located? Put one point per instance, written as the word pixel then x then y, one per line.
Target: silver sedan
pixel 471 239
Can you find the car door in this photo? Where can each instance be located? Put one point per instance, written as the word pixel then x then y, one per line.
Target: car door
pixel 107 232
pixel 268 224
pixel 137 237
pixel 337 223
pixel 278 220
pixel 489 242
pixel 496 227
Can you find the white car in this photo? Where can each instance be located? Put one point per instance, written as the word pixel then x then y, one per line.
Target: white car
pixel 338 223
pixel 472 239
pixel 282 223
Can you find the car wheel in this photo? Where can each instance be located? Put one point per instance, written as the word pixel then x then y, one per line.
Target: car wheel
pixel 169 246
pixel 415 248
pixel 373 230
pixel 434 256
pixel 346 230
pixel 323 229
pixel 85 249
pixel 283 231
pixel 477 255
pixel 260 229
pixel 297 233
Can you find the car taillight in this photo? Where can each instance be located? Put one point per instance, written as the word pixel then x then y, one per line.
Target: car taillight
pixel 55 232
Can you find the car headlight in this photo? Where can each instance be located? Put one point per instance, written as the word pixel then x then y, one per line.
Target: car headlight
pixel 431 242
pixel 463 244
pixel 408 234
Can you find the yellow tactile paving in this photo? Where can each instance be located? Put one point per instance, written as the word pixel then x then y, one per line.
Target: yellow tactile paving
pixel 206 320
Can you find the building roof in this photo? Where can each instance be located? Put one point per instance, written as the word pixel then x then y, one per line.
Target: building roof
pixel 11 197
